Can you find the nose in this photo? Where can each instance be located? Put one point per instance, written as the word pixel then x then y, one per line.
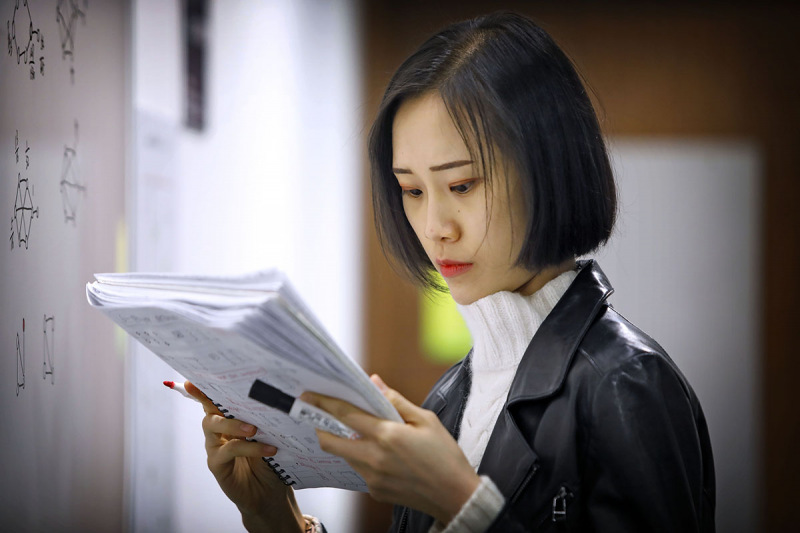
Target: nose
pixel 440 224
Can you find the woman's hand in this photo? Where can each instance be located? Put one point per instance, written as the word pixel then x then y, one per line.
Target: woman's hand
pixel 265 502
pixel 417 464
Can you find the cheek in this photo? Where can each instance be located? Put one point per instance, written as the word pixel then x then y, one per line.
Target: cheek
pixel 507 235
pixel 414 218
pixel 502 249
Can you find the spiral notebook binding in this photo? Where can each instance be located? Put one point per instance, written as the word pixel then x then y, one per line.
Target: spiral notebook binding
pixel 285 479
pixel 221 410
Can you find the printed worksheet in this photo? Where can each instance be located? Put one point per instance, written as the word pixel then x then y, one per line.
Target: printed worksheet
pixel 224 333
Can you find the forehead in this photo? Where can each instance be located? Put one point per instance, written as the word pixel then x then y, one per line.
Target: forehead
pixel 424 133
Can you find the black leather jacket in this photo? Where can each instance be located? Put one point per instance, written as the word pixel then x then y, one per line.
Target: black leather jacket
pixel 600 431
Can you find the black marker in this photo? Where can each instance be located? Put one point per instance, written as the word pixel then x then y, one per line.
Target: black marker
pixel 299 410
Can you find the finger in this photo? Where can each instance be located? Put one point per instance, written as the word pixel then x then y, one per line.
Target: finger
pixel 208 405
pixel 239 448
pixel 213 439
pixel 350 415
pixel 407 409
pixel 219 425
pixel 352 451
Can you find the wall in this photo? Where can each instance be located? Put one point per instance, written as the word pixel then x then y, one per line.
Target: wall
pixel 685 268
pixel 270 181
pixel 63 117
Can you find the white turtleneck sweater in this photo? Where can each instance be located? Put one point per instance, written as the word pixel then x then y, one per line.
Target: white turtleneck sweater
pixel 502 325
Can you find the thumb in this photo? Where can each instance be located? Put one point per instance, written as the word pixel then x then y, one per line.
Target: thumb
pixel 208 405
pixel 405 407
pixel 376 379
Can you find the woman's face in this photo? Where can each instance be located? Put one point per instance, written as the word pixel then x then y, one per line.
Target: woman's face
pixel 465 229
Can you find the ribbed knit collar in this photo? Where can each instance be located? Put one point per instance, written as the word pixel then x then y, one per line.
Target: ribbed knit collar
pixel 502 324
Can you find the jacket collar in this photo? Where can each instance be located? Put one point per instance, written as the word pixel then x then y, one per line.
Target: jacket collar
pixel 541 372
pixel 509 459
pixel 544 365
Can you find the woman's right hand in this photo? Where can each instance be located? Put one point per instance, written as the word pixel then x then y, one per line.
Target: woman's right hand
pixel 265 502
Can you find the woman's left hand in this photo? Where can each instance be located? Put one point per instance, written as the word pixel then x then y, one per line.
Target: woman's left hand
pixel 417 464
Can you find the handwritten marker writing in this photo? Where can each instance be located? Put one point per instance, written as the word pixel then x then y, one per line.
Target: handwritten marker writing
pixel 178 387
pixel 299 410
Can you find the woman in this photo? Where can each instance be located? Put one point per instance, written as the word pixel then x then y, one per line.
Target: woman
pixel 488 166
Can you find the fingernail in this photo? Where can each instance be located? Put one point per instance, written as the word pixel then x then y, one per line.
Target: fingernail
pixel 247 427
pixel 268 450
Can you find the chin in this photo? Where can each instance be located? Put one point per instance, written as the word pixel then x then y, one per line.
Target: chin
pixel 464 299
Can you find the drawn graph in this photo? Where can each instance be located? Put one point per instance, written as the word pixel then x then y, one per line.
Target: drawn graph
pixel 24 210
pixel 16 151
pixel 67 15
pixel 48 334
pixel 70 185
pixel 21 360
pixel 24 38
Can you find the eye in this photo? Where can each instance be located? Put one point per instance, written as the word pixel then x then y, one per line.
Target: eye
pixel 463 188
pixel 413 193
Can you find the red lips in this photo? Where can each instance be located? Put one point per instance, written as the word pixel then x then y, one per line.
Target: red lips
pixel 452 268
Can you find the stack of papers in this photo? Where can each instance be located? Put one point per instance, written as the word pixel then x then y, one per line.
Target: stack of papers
pixel 223 333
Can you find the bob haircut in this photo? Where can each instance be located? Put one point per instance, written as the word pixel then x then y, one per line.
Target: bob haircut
pixel 512 93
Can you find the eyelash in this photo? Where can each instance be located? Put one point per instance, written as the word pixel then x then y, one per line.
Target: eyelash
pixel 468 184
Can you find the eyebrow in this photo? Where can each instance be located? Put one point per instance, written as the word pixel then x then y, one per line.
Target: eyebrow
pixel 436 168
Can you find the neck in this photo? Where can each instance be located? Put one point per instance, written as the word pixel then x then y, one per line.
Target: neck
pixel 543 276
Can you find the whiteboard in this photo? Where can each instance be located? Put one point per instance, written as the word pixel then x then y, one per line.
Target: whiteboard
pixel 62 166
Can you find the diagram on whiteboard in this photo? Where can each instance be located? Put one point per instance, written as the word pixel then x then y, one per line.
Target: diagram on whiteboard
pixel 24 209
pixel 25 39
pixel 48 333
pixel 67 15
pixel 70 185
pixel 21 360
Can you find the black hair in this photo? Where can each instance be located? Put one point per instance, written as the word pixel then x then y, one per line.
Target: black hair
pixel 509 89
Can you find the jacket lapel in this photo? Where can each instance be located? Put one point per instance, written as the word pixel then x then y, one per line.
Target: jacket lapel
pixel 453 393
pixel 509 459
pixel 545 363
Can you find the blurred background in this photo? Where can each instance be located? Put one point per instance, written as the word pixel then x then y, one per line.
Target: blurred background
pixel 238 131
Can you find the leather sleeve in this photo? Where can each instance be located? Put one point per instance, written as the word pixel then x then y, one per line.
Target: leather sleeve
pixel 644 458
